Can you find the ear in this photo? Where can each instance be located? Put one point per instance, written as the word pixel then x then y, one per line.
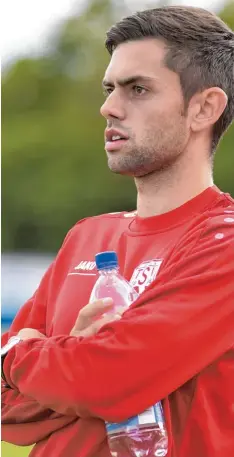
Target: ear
pixel 206 108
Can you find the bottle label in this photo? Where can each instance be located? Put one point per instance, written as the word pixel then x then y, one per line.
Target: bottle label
pixel 151 416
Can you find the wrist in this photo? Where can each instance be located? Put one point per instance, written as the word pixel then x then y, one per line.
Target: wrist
pixel 5 350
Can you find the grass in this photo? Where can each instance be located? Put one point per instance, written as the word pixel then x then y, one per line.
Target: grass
pixel 9 450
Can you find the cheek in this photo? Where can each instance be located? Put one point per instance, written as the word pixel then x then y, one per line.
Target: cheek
pixel 159 119
pixel 167 113
pixel 159 111
pixel 160 116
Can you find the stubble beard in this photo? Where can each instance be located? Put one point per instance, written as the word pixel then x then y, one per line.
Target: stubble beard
pixel 155 154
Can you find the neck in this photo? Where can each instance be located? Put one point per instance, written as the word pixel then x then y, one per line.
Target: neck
pixel 165 190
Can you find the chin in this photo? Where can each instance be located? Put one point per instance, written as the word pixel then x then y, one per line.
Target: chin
pixel 119 170
pixel 123 169
pixel 125 163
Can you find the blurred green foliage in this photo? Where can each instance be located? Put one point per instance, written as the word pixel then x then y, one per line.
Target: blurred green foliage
pixel 54 168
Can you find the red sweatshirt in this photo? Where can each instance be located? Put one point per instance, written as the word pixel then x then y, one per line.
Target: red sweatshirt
pixel 174 343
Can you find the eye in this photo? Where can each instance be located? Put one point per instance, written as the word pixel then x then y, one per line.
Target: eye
pixel 107 91
pixel 139 90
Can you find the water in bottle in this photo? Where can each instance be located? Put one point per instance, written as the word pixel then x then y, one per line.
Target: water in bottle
pixel 111 284
pixel 143 435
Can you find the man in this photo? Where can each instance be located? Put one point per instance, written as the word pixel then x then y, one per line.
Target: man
pixel 170 98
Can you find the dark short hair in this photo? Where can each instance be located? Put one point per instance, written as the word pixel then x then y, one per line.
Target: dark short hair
pixel 200 50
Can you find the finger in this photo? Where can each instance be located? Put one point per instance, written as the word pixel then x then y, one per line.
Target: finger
pixel 93 310
pixel 96 326
pixel 27 333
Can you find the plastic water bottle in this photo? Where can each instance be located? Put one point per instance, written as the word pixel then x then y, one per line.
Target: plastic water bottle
pixel 111 284
pixel 143 435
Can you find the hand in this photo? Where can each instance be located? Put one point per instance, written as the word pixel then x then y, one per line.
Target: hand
pixel 90 318
pixel 27 333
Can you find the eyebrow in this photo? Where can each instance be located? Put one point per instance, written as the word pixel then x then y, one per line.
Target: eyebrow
pixel 123 82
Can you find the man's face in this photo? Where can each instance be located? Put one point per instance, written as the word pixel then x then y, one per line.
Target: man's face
pixel 145 105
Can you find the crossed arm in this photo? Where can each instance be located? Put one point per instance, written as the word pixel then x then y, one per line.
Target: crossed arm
pixel 177 327
pixel 24 420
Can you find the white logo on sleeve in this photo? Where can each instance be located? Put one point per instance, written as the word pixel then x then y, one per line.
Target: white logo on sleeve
pixel 144 274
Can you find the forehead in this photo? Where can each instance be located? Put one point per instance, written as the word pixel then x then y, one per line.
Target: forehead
pixel 133 57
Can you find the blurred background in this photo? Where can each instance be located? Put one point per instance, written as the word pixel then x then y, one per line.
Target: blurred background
pixel 54 168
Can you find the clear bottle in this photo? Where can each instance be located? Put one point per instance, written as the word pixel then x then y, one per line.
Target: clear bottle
pixel 111 284
pixel 143 435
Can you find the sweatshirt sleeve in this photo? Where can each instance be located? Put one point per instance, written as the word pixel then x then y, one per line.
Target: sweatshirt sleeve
pixel 24 420
pixel 182 323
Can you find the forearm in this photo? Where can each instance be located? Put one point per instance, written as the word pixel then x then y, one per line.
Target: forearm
pixel 176 328
pixel 127 366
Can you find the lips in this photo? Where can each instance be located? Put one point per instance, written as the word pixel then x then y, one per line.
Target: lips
pixel 110 133
pixel 112 145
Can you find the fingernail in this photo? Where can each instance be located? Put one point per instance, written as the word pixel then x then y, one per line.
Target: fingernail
pixel 107 300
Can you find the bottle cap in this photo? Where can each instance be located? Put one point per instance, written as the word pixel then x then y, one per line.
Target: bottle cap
pixel 106 260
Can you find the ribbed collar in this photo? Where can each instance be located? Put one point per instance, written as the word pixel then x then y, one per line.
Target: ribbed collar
pixel 178 215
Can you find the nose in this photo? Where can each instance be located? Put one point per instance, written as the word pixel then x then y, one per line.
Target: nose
pixel 113 107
